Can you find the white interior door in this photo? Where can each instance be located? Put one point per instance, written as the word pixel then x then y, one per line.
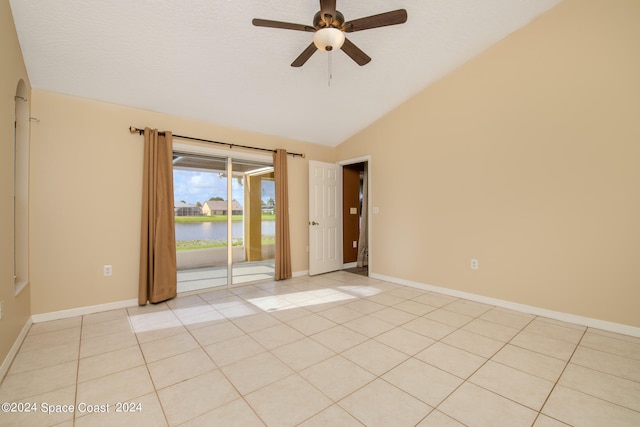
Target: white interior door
pixel 325 217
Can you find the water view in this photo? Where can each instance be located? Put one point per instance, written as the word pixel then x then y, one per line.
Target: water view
pixel 217 230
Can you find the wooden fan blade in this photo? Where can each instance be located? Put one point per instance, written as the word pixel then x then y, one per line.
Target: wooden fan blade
pixel 304 56
pixel 355 53
pixel 382 20
pixel 282 25
pixel 328 10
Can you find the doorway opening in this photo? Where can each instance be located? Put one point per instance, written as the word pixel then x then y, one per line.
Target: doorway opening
pixel 355 216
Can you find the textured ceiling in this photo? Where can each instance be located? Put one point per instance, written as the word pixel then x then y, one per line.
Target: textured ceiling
pixel 202 59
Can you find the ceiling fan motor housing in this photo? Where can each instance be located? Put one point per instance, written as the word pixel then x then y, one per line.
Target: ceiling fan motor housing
pixel 320 21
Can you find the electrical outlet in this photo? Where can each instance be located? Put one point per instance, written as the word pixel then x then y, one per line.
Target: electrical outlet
pixel 108 270
pixel 355 244
pixel 474 264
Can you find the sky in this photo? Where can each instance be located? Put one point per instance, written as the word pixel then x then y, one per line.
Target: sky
pixel 196 186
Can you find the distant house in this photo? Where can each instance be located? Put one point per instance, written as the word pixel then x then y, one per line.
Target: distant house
pixel 186 209
pixel 219 207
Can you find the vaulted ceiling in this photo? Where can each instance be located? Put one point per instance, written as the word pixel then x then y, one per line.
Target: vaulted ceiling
pixel 204 60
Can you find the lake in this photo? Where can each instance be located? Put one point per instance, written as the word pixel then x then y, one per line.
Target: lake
pixel 217 230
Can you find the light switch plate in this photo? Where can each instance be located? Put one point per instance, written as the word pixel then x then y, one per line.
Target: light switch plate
pixel 353 211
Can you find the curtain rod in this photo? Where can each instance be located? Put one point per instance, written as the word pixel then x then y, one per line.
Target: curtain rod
pixel 134 129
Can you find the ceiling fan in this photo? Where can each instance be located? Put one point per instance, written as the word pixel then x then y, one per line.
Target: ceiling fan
pixel 329 28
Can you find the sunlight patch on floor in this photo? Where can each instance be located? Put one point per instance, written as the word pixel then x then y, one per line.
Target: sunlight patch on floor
pixel 299 299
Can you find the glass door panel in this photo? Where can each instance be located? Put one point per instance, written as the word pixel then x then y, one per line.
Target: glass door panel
pixel 253 230
pixel 200 195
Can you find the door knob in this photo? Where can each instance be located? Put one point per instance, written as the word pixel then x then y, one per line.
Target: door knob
pixel 313 223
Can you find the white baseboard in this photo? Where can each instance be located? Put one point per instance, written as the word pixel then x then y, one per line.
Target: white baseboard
pixel 80 311
pixel 300 273
pixel 557 315
pixel 6 363
pixel 349 265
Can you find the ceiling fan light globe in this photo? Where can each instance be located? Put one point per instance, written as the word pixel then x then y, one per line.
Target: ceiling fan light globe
pixel 327 39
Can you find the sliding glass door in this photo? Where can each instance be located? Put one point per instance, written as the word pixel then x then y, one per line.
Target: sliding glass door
pixel 256 229
pixel 221 204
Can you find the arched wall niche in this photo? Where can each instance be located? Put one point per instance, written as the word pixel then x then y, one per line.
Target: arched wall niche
pixel 21 188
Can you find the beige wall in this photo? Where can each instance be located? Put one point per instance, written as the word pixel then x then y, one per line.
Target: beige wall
pixel 526 158
pixel 16 308
pixel 86 178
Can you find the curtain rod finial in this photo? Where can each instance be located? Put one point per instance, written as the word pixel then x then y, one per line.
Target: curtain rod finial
pixel 132 129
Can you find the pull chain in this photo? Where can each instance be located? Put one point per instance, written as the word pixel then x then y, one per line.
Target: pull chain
pixel 330 67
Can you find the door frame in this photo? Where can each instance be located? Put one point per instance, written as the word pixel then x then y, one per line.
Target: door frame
pixel 229 156
pixel 368 160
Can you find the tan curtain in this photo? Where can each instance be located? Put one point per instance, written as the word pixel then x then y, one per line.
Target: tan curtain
pixel 283 248
pixel 158 273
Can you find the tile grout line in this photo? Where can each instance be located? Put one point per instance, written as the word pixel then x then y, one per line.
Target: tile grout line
pixel 465 380
pixel 6 374
pixel 75 394
pixel 294 371
pixel 379 377
pixel 247 334
pixel 595 370
pixel 560 376
pixel 218 367
pixel 297 373
pixel 610 354
pixel 146 365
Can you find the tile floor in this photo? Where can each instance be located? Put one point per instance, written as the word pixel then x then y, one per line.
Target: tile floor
pixel 334 350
